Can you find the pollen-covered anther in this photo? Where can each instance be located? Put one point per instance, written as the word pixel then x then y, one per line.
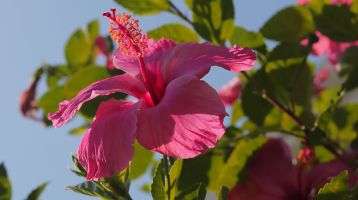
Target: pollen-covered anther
pixel 125 31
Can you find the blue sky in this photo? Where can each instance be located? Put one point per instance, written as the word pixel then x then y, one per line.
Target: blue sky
pixel 33 32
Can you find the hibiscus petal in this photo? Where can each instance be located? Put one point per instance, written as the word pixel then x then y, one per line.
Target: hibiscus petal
pixel 196 59
pixel 107 147
pixel 122 83
pixel 249 191
pixel 187 122
pixel 272 171
pixel 320 174
pixel 152 58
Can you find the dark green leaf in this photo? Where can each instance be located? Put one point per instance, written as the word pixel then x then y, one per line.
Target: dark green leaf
pixel 35 194
pixel 253 105
pixel 145 7
pixel 5 185
pixel 342 28
pixel 91 188
pixel 140 162
pixel 174 31
pixel 349 64
pixel 289 24
pixel 194 172
pixel 287 53
pixel 78 50
pixel 158 185
pixel 196 193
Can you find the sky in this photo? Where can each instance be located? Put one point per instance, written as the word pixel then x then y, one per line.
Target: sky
pixel 34 32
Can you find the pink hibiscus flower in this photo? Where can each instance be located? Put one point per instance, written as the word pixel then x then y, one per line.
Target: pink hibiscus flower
pixel 230 92
pixel 332 49
pixel 176 114
pixel 320 78
pixel 272 176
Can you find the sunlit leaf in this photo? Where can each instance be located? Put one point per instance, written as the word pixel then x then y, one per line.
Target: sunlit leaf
pixel 214 19
pixel 174 31
pixel 78 49
pixel 245 38
pixel 158 185
pixel 50 100
pixel 145 7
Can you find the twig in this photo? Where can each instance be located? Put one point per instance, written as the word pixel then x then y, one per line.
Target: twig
pixel 180 14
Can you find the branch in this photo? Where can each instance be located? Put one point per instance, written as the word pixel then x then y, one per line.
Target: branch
pixel 175 10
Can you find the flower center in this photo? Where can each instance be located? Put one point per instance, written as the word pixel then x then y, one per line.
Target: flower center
pixel 126 32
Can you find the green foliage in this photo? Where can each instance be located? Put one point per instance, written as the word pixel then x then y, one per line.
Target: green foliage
pixel 213 19
pixel 349 64
pixel 158 186
pixel 35 194
pixel 237 161
pixel 78 49
pixel 290 24
pixel 253 105
pixel 174 31
pixel 342 28
pixel 82 79
pixel 140 162
pixel 337 188
pixel 249 39
pixel 50 100
pixel 145 7
pixel 91 188
pixel 196 193
pixel 5 185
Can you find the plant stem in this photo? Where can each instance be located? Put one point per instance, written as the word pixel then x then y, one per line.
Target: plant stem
pixel 177 12
pixel 167 175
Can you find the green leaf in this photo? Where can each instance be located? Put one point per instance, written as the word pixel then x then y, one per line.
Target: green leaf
pixel 245 38
pixel 214 19
pixel 78 50
pixel 5 185
pixel 35 194
pixel 287 53
pixel 91 188
pixel 174 31
pixel 253 105
pixel 145 7
pixel 50 100
pixel 194 172
pixel 174 175
pixel 337 188
pixel 236 162
pixel 93 29
pixel 158 185
pixel 290 24
pixel 80 130
pixel 343 28
pixel 140 162
pixel 196 193
pixel 349 64
pixel 83 78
